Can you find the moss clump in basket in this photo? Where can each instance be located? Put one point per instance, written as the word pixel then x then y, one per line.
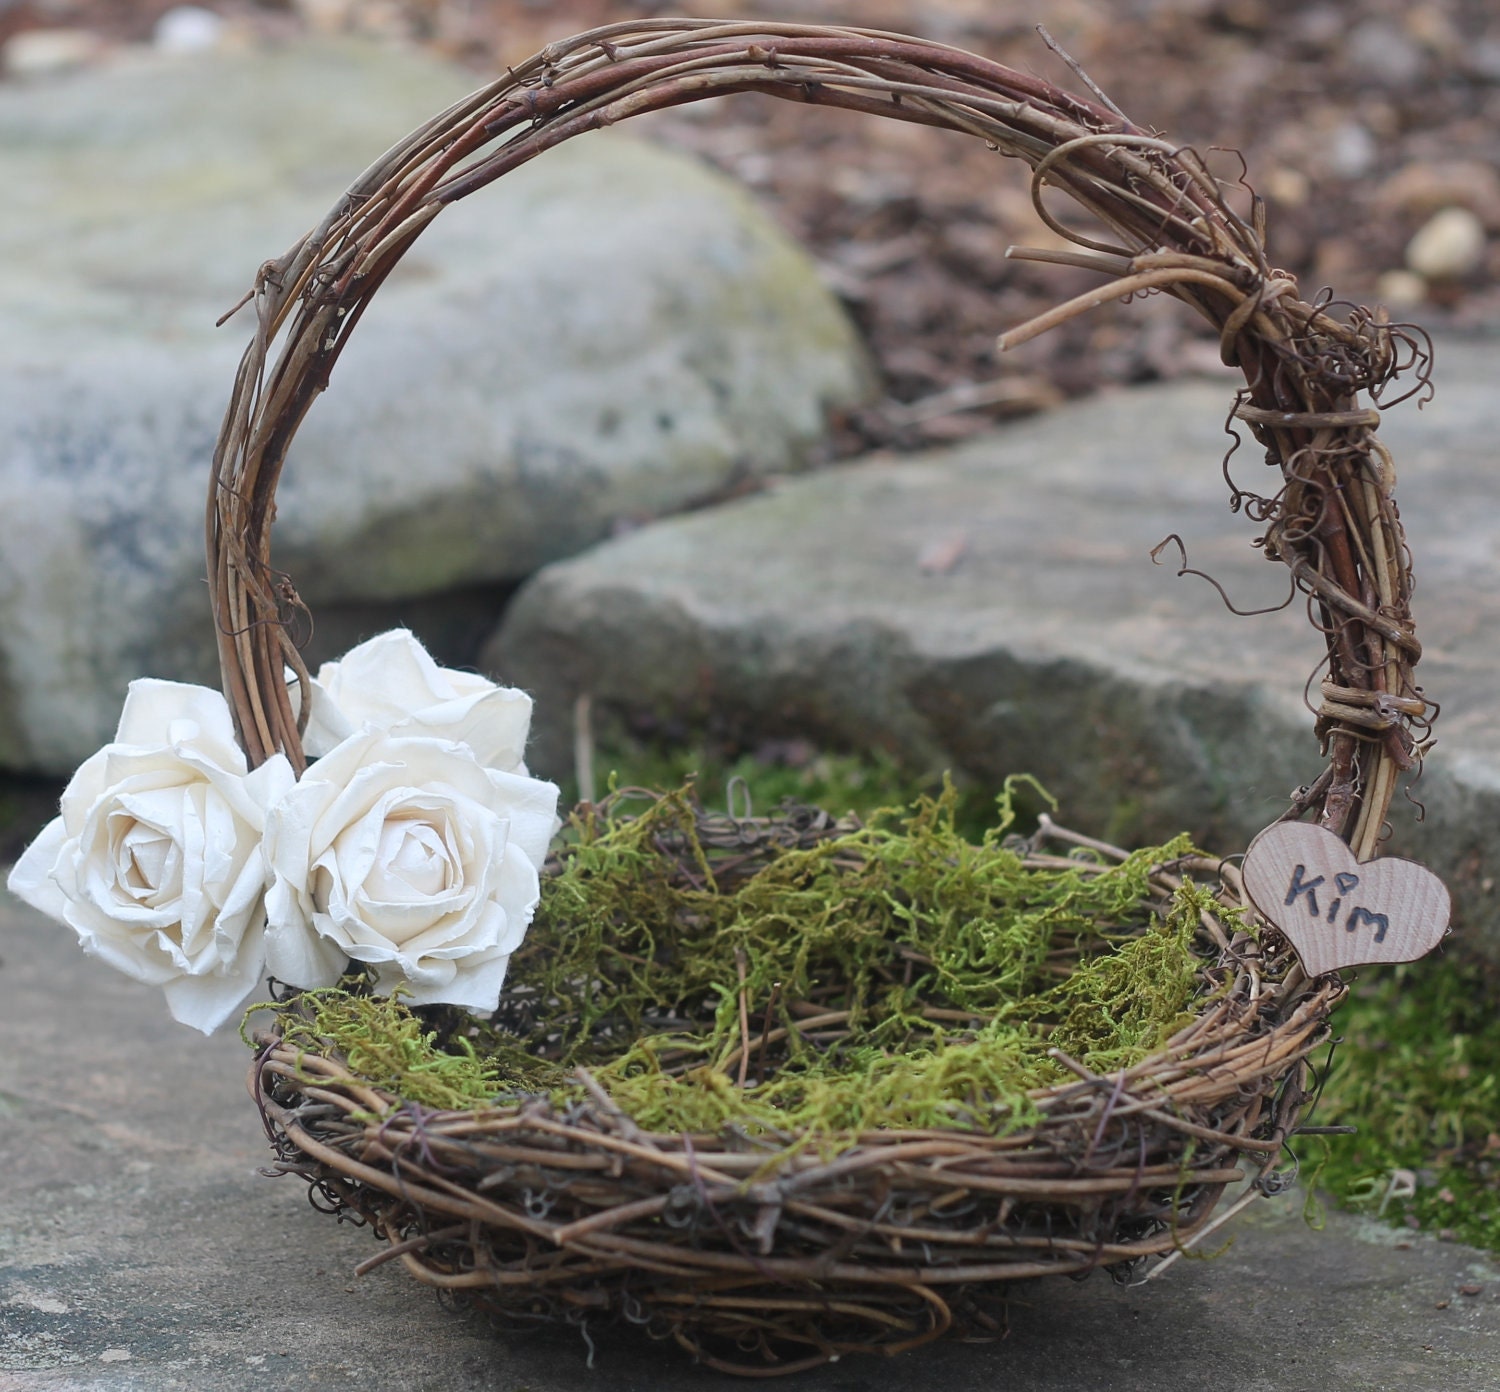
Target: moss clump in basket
pixel 894 975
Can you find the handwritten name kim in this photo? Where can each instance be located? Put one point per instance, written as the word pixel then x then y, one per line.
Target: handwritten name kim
pixel 1306 890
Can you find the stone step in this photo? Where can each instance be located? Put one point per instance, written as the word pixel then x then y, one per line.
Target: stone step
pixel 993 608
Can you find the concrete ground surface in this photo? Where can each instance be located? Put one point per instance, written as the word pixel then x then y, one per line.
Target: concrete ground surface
pixel 141 1249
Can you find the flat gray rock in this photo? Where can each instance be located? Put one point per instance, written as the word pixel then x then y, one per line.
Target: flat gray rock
pixel 611 333
pixel 141 1250
pixel 993 608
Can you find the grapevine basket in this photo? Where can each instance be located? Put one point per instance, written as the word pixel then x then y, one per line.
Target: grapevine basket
pixel 765 1256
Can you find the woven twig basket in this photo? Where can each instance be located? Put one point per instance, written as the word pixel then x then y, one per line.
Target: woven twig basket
pixel 772 1260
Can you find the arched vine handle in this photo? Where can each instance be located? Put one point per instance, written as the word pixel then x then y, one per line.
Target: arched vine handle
pixel 1333 521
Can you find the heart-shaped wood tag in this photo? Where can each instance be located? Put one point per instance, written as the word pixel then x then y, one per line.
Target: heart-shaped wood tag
pixel 1336 911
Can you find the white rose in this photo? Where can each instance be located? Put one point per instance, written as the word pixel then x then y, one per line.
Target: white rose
pixel 404 853
pixel 155 859
pixel 392 683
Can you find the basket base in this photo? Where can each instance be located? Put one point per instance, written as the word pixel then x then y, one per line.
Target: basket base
pixel 758 1270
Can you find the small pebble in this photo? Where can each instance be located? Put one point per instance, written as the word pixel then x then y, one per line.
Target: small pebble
pixel 1318 25
pixel 1384 52
pixel 1287 186
pixel 324 16
pixel 1448 246
pixel 42 52
pixel 1471 1290
pixel 187 29
pixel 1351 150
pixel 941 556
pixel 1483 59
pixel 1432 29
pixel 1400 289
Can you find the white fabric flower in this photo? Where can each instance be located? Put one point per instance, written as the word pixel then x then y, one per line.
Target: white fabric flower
pixel 392 683
pixel 402 852
pixel 155 859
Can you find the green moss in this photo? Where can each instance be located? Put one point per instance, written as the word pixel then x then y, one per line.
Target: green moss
pixel 1418 1073
pixel 894 975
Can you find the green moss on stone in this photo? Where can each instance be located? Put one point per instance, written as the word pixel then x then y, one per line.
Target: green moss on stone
pixel 1418 1073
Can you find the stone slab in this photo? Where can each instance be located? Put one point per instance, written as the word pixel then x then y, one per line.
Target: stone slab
pixel 993 608
pixel 611 333
pixel 141 1250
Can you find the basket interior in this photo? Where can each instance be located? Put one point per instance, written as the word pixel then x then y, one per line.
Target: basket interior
pixel 804 973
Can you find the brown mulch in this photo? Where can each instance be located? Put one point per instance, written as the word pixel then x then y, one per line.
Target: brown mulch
pixel 1357 119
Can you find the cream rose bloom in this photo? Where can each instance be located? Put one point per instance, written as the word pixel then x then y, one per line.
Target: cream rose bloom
pixel 155 859
pixel 391 683
pixel 403 852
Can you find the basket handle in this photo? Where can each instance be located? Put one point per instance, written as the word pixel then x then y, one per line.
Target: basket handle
pixel 1333 521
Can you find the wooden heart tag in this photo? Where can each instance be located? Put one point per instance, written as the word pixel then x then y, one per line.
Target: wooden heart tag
pixel 1337 912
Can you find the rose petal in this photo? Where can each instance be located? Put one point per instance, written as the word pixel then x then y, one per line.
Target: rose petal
pixel 494 724
pixel 521 892
pixel 84 789
pixel 162 714
pixel 194 908
pixel 387 677
pixel 476 988
pixel 393 925
pixel 227 842
pixel 31 877
pixel 136 956
pixel 288 834
pixel 392 683
pixel 327 725
pixel 206 1001
pixel 353 854
pixel 532 807
pixel 148 864
pixel 295 951
pixel 270 783
pixel 411 863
